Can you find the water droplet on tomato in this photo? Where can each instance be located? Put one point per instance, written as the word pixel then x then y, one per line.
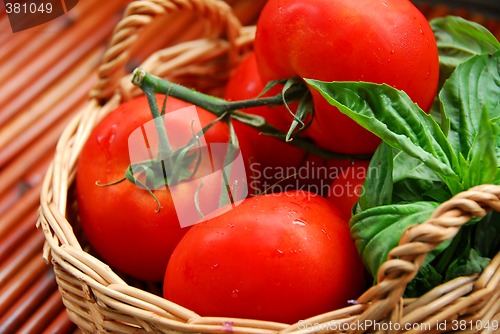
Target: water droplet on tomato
pixel 322 230
pixel 280 251
pixel 106 139
pixel 392 51
pixel 299 222
pixel 108 136
pixel 215 266
pixel 235 293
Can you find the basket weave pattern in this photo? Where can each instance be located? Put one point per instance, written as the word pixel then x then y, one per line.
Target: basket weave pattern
pixel 99 300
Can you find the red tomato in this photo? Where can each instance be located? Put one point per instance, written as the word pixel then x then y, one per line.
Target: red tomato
pixel 121 221
pixel 381 41
pixel 276 165
pixel 345 190
pixel 279 257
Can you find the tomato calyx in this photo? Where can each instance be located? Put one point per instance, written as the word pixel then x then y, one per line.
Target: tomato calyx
pixel 170 166
pixel 129 175
pixel 304 110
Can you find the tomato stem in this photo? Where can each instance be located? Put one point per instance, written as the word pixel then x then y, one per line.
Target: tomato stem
pixel 218 106
pixel 164 144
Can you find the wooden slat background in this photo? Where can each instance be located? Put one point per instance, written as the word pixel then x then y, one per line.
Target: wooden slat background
pixel 45 75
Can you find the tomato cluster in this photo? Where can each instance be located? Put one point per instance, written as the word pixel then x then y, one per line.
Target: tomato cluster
pixel 284 253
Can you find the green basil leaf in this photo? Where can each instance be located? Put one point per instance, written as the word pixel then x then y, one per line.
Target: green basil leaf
pixel 395 177
pixel 458 40
pixel 482 159
pixel 412 190
pixel 495 124
pixel 438 114
pixel 414 181
pixel 378 180
pixel 468 263
pixel 497 176
pixel 378 230
pixel 487 235
pixel 405 166
pixel 391 115
pixel 473 88
pixel 425 280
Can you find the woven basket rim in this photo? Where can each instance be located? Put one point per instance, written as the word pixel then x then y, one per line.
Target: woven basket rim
pixel 90 287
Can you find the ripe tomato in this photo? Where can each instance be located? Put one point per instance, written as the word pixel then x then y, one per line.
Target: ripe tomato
pixel 121 220
pixel 275 163
pixel 381 41
pixel 347 187
pixel 279 257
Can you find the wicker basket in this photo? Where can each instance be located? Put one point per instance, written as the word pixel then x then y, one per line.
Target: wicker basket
pixel 99 300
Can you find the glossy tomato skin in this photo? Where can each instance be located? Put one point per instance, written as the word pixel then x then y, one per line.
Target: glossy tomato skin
pixel 345 190
pixel 381 41
pixel 278 257
pixel 121 221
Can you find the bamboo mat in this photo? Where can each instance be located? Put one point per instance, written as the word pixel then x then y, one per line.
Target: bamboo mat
pixel 45 75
